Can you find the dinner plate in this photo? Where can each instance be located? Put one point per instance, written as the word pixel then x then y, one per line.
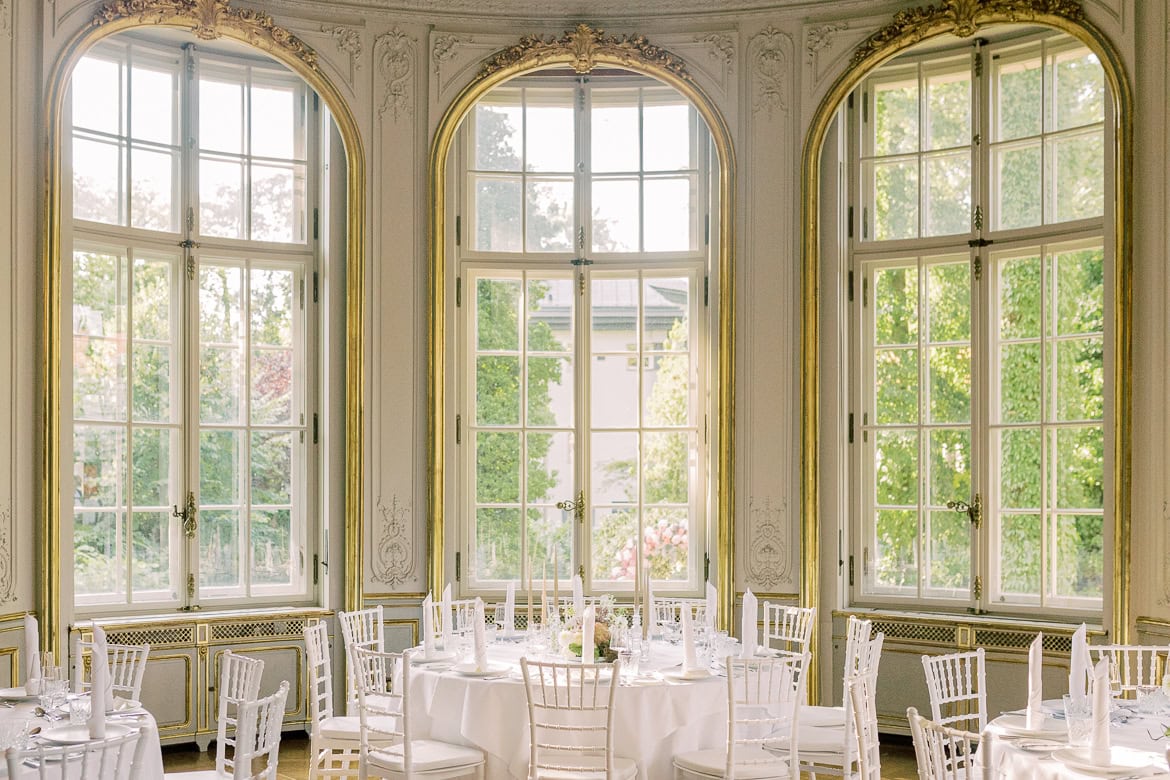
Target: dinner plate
pixel 1031 745
pixel 437 657
pixel 471 670
pixel 1122 761
pixel 15 694
pixel 1018 725
pixel 75 734
pixel 124 705
pixel 694 674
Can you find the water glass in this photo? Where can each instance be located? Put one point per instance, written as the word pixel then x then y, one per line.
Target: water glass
pixel 1149 699
pixel 14 733
pixel 79 709
pixel 1078 715
pixel 629 661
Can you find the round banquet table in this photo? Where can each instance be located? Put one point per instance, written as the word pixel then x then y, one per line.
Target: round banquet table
pixel 653 718
pixel 152 765
pixel 1130 732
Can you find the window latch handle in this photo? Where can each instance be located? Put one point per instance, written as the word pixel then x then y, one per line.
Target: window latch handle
pixel 187 515
pixel 974 509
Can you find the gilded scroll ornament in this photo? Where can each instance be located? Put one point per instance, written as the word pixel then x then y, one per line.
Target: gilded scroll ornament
pixel 961 18
pixel 393 561
pixel 583 48
pixel 208 20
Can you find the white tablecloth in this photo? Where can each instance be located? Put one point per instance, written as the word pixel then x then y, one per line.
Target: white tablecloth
pixel 651 722
pixel 152 768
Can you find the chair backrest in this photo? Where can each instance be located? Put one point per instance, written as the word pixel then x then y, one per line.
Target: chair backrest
pixel 1132 665
pixel 127 666
pixel 115 758
pixel 463 616
pixel 787 628
pixel 570 716
pixel 564 604
pixel 239 684
pixel 669 611
pixel 320 674
pixel 764 696
pixel 867 654
pixel 861 691
pixel 382 681
pixel 943 753
pixel 857 634
pixel 957 683
pixel 364 628
pixel 258 736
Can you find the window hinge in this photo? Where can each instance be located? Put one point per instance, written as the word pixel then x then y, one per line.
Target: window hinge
pixel 706 567
pixel 301 285
pixel 977 588
pixel 458 429
pixel 706 290
pixel 851 571
pixel 316 224
pixel 865 291
pixel 864 107
pixel 190 218
pixel 458 291
pixel 849 104
pixel 705 419
pixel 316 569
pixel 458 230
pixel 458 568
pixel 316 428
pixel 865 222
pixel 851 427
pixel 849 223
pixel 707 230
pixel 865 562
pixel 864 427
pixel 316 286
pixel 850 283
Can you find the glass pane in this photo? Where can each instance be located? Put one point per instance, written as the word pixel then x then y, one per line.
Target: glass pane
pixel 273 387
pixel 550 315
pixel 497 544
pixel 497 314
pixel 221 201
pixel 1020 297
pixel 666 470
pixel 667 313
pixel 1078 89
pixel 668 214
pixel 497 390
pixel 1078 177
pixel 896 116
pixel 271 307
pixel 99 463
pixel 278 203
pixel 98 557
pixel 219 548
pixel 221 333
pixel 272 553
pixel 896 305
pixel 614 131
pixel 152 553
pixel 96 88
pixel 613 539
pixel 950 465
pixel 1079 557
pixel 220 380
pixel 1080 379
pixel 550 466
pixel 220 468
pixel 948 110
pixel 1080 291
pixel 950 384
pixel 950 552
pixel 497 132
pixel 99 378
pixel 615 215
pixel 497 467
pixel 896 467
pixel 1019 97
pixel 151 467
pixel 1078 468
pixel 549 527
pixel 153 202
pixel 152 104
pixel 1019 554
pixel 221 118
pixel 896 555
pixel 99 352
pixel 948 296
pixel 152 383
pixel 613 391
pixel 895 207
pixel 948 194
pixel 497 214
pixel 550 391
pixel 272 467
pixel 152 299
pixel 666 133
pixel 274 114
pixel 549 220
pixel 1020 475
pixel 97 181
pixel 614 468
pixel 896 379
pixel 1017 180
pixel 548 135
pixel 667 382
pixel 1019 383
pixel 666 539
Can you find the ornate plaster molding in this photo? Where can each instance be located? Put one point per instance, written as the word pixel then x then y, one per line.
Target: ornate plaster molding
pixel 583 46
pixel 445 48
pixel 768 563
pixel 394 52
pixel 210 19
pixel 819 38
pixel 349 41
pixel 1165 583
pixel 6 18
pixel 7 558
pixel 393 559
pixel 770 66
pixel 961 18
pixel 721 48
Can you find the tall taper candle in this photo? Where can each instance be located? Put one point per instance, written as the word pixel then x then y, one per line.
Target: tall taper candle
pixel 556 586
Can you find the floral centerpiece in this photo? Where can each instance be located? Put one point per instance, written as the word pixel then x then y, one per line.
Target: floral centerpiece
pixel 571 635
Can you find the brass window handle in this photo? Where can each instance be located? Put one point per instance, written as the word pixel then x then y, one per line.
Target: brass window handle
pixel 576 507
pixel 188 513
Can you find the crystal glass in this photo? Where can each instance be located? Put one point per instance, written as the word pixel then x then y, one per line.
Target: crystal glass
pixel 1079 717
pixel 1149 699
pixel 79 709
pixel 629 661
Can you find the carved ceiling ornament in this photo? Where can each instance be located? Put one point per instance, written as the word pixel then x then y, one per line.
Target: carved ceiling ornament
pixel 961 18
pixel 583 48
pixel 208 20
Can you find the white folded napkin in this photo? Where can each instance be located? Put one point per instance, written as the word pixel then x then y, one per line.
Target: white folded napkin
pixel 690 660
pixel 749 626
pixel 510 609
pixel 1078 665
pixel 445 617
pixel 712 605
pixel 428 627
pixel 1099 747
pixel 1034 715
pixel 481 662
pixel 100 690
pixel 32 649
pixel 578 596
pixel 587 620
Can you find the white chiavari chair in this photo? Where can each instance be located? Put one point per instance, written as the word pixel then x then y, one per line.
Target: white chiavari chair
pixel 387 746
pixel 114 758
pixel 239 685
pixel 668 613
pixel 333 739
pixel 365 629
pixel 862 692
pixel 570 720
pixel 763 703
pixel 943 753
pixel 857 633
pixel 957 683
pixel 1132 666
pixel 127 666
pixel 257 742
pixel 787 628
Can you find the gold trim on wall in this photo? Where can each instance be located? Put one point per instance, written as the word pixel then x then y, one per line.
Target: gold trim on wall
pixel 583 49
pixel 963 18
pixel 207 19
